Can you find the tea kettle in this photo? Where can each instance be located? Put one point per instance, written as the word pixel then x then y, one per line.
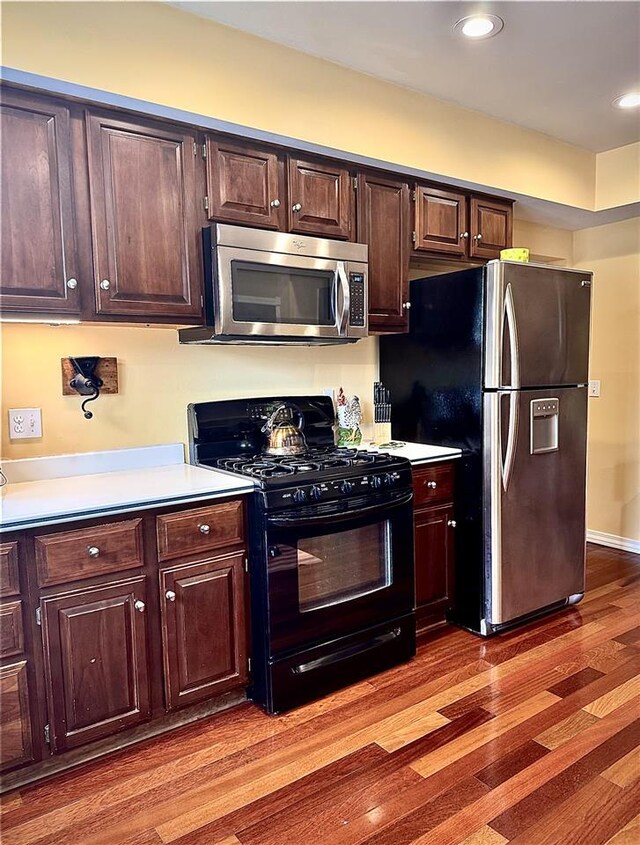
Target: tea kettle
pixel 284 438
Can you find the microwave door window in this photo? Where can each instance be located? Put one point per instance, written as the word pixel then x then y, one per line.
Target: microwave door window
pixel 282 295
pixel 341 567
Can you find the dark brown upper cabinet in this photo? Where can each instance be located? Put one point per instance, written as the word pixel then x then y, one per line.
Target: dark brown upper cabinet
pixel 39 262
pixel 245 184
pixel 144 220
pixel 204 627
pixel 491 227
pixel 96 664
pixel 321 199
pixel 384 211
pixel 440 221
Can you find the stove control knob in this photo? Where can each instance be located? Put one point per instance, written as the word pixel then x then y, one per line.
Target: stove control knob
pixel 376 482
pixel 299 497
pixel 346 487
pixel 390 479
pixel 315 493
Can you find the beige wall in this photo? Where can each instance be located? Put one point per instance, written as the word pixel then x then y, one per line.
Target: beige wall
pixel 613 253
pixel 158 378
pixel 618 176
pixel 545 244
pixel 158 53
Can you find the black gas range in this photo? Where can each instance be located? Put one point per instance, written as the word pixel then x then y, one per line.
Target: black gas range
pixel 330 549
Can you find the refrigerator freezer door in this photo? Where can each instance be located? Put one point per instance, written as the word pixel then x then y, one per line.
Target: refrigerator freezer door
pixel 536 325
pixel 534 499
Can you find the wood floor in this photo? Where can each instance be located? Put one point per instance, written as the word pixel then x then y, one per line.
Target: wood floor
pixel 532 737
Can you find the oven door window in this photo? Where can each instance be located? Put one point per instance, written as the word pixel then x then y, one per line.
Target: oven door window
pixel 341 567
pixel 264 293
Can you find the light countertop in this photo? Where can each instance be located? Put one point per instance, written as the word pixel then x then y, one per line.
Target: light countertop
pixel 47 500
pixel 417 453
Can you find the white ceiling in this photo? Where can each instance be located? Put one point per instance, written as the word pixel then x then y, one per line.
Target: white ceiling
pixel 555 67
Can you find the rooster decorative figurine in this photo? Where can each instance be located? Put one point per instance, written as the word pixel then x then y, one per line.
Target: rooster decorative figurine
pixel 349 415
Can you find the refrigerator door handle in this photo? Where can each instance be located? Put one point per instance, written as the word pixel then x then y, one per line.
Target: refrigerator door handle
pixel 510 319
pixel 512 439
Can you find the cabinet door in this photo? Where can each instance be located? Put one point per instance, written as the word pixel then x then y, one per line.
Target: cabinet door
pixel 146 237
pixel 434 553
pixel 383 223
pixel 16 747
pixel 441 221
pixel 203 629
pixel 321 200
pixel 95 652
pixel 491 224
pixel 38 240
pixel 244 185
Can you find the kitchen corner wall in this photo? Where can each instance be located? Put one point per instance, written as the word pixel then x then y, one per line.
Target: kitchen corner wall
pixel 613 497
pixel 158 378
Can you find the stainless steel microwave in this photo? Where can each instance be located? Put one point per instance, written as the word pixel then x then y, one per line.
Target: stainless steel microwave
pixel 278 288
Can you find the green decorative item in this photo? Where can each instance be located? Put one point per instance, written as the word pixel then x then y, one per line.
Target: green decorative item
pixel 349 415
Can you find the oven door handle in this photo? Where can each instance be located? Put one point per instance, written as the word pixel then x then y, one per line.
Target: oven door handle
pixel 286 522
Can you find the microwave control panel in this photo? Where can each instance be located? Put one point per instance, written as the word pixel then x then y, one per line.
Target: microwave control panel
pixel 356 287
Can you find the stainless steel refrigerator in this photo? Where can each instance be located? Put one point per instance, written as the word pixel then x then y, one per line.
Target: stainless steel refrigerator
pixel 496 363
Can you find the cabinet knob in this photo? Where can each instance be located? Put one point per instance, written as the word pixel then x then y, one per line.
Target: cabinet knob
pixel 72 284
pixel 296 207
pixel 275 203
pixel 451 523
pixel 204 529
pixel 105 284
pixel 139 606
pixel 432 484
pixel 93 551
pixel 464 235
pixel 477 237
pixel 170 595
pixel 406 305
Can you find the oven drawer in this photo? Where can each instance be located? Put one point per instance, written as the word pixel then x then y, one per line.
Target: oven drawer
pixel 71 555
pixel 433 484
pixel 325 668
pixel 199 530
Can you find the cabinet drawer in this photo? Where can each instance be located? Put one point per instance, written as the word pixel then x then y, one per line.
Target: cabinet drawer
pixel 9 582
pixel 11 633
pixel 199 530
pixel 433 484
pixel 72 555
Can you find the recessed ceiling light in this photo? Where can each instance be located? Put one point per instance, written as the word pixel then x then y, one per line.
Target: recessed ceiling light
pixel 628 101
pixel 479 26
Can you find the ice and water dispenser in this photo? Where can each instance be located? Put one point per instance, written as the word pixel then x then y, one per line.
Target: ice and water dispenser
pixel 544 425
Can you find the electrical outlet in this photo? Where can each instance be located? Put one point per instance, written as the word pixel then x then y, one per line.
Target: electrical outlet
pixel 25 423
pixel 594 387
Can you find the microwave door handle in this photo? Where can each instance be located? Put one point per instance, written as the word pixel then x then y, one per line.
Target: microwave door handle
pixel 341 273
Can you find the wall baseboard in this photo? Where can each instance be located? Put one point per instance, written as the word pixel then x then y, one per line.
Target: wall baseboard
pixel 624 543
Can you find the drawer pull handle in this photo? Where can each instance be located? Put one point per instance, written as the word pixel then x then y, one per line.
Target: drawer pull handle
pixel 451 523
pixel 170 595
pixel 204 529
pixel 93 551
pixel 139 606
pixel 432 484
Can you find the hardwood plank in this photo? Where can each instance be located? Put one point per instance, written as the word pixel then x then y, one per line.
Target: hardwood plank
pixel 565 730
pixel 510 764
pixel 626 771
pixel 485 836
pixel 613 699
pixel 517 788
pixel 631 637
pixel 575 682
pixel 550 794
pixel 629 835
pixel 591 815
pixel 434 761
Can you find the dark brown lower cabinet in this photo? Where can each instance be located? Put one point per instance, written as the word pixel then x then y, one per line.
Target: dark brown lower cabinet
pixel 434 535
pixel 16 747
pixel 96 663
pixel 203 628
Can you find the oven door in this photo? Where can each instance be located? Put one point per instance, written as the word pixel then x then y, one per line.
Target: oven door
pixel 332 574
pixel 274 294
